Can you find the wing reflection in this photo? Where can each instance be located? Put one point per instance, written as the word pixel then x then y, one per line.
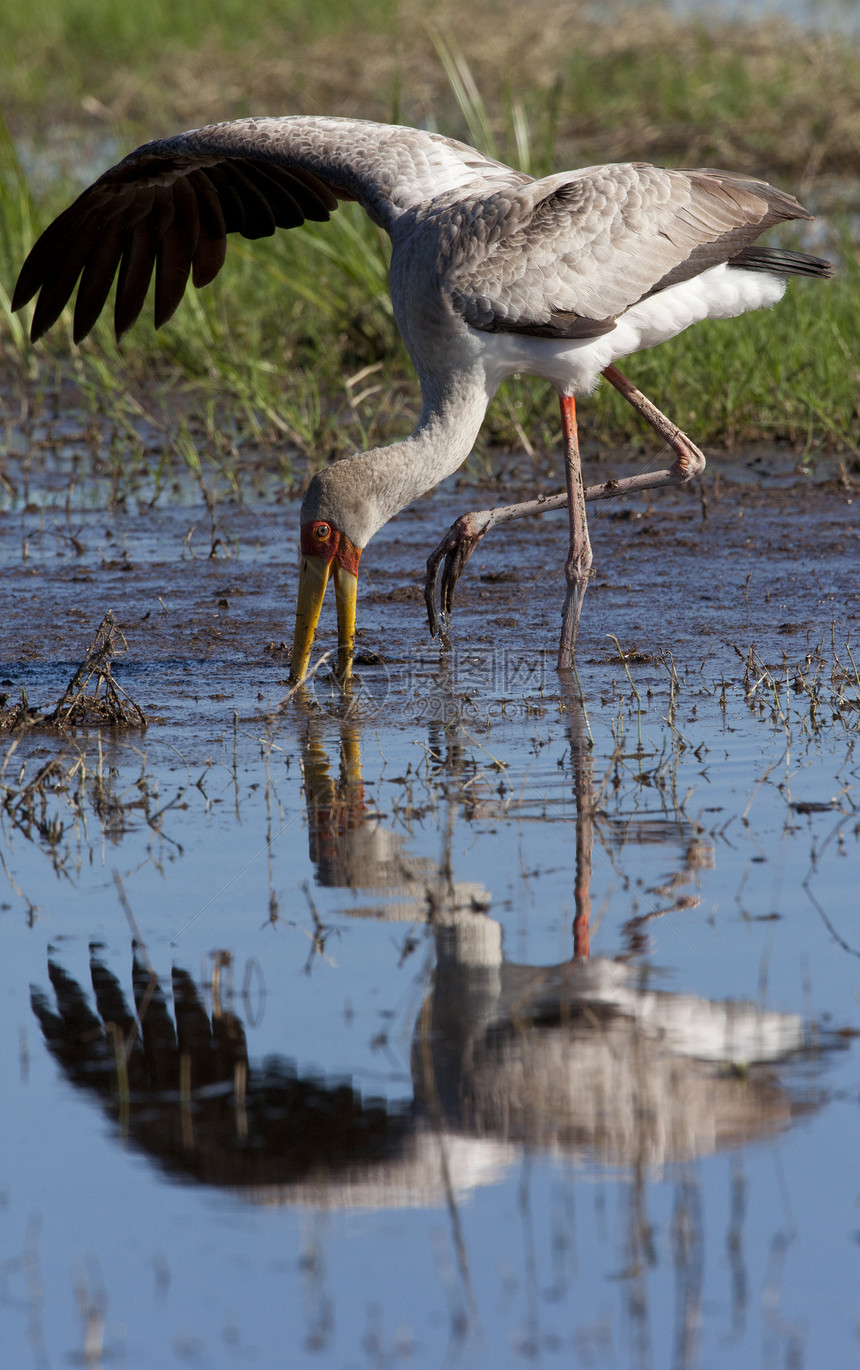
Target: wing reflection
pixel 181 1086
pixel 583 1059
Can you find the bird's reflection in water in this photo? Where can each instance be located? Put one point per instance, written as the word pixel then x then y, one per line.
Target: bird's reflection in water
pixel 181 1086
pixel 582 1059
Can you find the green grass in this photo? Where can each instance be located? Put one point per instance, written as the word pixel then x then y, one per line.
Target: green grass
pixel 16 232
pixel 765 98
pixel 293 351
pixel 56 51
pixel 789 374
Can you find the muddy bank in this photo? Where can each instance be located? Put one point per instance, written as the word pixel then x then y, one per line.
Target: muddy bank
pixel 758 554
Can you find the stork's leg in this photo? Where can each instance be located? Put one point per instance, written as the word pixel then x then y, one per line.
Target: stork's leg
pixel 689 461
pixel 578 564
pixel 463 536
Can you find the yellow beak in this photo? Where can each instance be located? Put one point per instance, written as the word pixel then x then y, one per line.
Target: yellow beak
pixel 345 595
pixel 313 578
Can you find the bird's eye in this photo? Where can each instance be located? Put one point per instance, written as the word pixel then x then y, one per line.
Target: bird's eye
pixel 322 532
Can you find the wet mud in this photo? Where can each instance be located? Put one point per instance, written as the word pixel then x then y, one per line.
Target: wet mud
pixel 758 553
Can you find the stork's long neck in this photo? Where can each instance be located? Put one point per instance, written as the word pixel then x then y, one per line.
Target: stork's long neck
pixel 443 438
pixel 363 492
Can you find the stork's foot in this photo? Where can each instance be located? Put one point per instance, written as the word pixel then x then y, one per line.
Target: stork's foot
pixel 689 461
pixel 456 547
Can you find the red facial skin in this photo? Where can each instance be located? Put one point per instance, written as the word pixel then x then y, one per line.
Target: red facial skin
pixel 321 539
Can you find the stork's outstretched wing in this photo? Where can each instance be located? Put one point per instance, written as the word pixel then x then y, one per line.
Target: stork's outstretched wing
pixel 570 253
pixel 171 204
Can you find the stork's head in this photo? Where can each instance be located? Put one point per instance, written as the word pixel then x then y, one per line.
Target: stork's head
pixel 337 521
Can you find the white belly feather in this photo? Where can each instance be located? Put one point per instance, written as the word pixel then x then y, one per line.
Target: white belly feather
pixel 573 367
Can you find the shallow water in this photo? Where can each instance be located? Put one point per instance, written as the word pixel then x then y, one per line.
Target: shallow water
pixel 490 1020
pixel 818 15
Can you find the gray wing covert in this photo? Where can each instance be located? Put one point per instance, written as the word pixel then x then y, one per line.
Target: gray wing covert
pixel 583 247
